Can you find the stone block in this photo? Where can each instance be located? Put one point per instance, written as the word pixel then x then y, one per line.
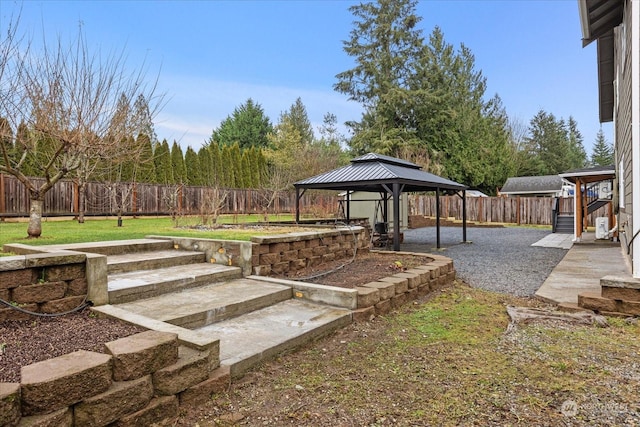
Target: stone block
pixel 398 300
pixel 65 272
pixel 13 314
pixel 10 263
pixel 434 271
pixel 262 270
pixel 5 294
pixel 297 264
pixel 312 243
pixel 279 248
pixel 289 255
pixel 383 307
pixel 160 412
pixel 54 259
pixel 122 398
pixel 269 259
pixel 328 257
pixel 319 250
pixel 219 381
pixel 141 354
pixel 413 280
pixel 629 307
pixel 77 287
pixel 627 294
pixel 367 296
pixel 60 418
pixel 255 259
pixel 191 368
pixel 314 261
pixel 62 305
pixel 14 278
pixel 298 244
pixel 263 249
pixel 340 254
pixel 595 302
pixel 401 283
pixel 280 267
pixel 62 381
pixel 424 275
pixel 305 253
pixel 451 277
pixel 424 290
pixel 412 294
pixel 365 314
pixel 334 247
pixel 9 404
pixel 38 293
pixel 386 289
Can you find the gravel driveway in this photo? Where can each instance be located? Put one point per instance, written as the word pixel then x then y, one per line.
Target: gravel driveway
pixel 497 259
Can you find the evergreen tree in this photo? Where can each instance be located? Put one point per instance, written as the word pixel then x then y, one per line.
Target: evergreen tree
pixel 248 126
pixel 217 175
pixel 192 167
pixel 226 167
pixel 206 167
pixel 298 117
pixel 577 153
pixel 162 159
pixel 7 147
pixel 146 165
pixel 236 165
pixel 142 120
pixel 177 164
pixel 602 151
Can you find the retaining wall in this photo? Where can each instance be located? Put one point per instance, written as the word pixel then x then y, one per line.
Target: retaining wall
pixel 139 380
pixel 283 253
pixel 42 283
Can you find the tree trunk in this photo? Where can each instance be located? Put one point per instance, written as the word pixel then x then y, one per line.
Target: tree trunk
pixel 35 218
pixel 81 202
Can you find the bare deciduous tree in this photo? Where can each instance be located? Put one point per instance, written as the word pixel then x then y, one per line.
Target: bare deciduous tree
pixel 67 97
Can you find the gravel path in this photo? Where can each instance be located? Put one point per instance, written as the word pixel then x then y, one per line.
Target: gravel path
pixel 497 259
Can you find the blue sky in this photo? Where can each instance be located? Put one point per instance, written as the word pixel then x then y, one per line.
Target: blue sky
pixel 211 56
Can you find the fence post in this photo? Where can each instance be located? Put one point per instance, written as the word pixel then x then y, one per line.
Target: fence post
pixel 518 210
pixel 2 202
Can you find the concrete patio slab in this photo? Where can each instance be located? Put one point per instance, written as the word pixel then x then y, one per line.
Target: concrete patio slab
pixel 555 240
pixel 581 270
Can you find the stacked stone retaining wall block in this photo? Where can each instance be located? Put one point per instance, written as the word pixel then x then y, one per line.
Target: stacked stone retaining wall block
pixel 42 283
pixel 139 380
pixel 619 296
pixel 380 297
pixel 283 253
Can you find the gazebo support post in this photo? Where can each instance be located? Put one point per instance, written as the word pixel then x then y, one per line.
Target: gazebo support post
pixel 298 195
pixel 464 216
pixel 438 217
pixel 348 218
pixel 396 216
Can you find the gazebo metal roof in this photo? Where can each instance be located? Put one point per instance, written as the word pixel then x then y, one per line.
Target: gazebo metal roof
pixel 372 172
pixel 388 175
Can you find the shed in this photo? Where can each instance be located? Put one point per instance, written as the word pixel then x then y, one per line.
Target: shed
pixel 389 176
pixel 545 185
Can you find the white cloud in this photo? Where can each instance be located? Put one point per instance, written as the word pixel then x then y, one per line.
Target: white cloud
pixel 195 106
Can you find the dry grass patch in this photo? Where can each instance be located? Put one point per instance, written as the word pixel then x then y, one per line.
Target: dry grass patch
pixel 446 361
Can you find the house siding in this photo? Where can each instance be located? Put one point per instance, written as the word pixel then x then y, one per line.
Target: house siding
pixel 622 126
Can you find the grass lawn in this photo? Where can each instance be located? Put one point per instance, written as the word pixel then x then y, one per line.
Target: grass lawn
pixel 95 230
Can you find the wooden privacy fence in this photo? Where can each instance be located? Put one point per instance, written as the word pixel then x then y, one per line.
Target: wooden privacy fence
pixel 514 210
pixel 155 199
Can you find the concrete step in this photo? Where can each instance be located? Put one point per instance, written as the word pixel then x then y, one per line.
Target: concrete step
pixel 152 260
pixel 142 284
pixel 257 336
pixel 117 247
pixel 201 306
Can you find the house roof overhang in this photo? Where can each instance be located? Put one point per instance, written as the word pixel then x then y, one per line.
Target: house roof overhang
pixel 587 175
pixel 598 18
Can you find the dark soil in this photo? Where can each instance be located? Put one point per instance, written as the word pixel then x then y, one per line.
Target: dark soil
pixel 367 267
pixel 29 341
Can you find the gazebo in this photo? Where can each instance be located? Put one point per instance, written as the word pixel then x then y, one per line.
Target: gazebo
pixel 390 177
